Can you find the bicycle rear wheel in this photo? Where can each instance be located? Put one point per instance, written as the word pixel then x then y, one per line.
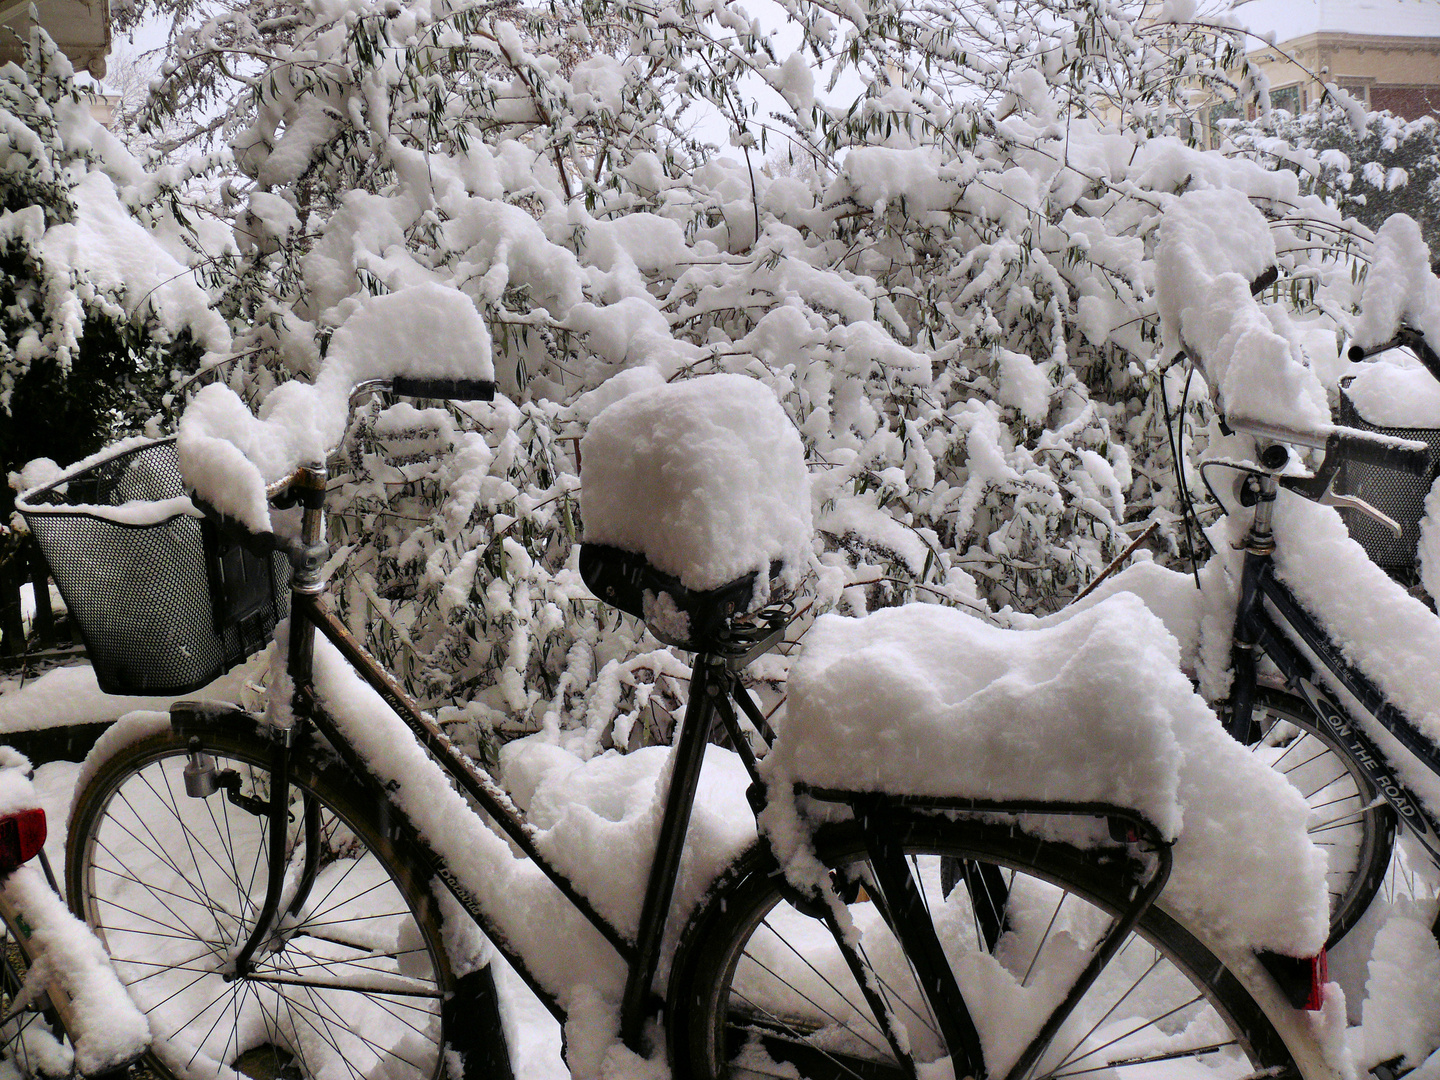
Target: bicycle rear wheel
pixel 760 988
pixel 354 984
pixel 1354 827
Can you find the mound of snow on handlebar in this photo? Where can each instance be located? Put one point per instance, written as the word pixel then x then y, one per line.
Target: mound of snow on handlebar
pixel 229 455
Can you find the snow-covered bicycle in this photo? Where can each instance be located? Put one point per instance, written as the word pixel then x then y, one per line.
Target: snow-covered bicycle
pixel 1326 664
pixel 63 1012
pixel 981 852
pixel 1320 635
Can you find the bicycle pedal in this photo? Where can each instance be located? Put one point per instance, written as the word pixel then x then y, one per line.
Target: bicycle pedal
pixel 1392 1069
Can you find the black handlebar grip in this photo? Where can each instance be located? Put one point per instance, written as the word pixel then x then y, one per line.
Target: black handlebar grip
pixel 1414 460
pixel 443 389
pixel 1267 277
pixel 1356 353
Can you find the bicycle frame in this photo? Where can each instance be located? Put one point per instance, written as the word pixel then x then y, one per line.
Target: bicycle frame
pixel 714 687
pixel 716 692
pixel 1256 627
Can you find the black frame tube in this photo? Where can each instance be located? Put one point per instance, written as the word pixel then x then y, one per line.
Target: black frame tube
pixel 709 682
pixel 910 921
pixel 1259 583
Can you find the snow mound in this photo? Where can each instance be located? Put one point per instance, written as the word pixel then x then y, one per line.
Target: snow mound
pixel 228 455
pixel 1399 287
pixel 614 803
pixel 1388 634
pixel 925 700
pixel 706 479
pixel 1213 244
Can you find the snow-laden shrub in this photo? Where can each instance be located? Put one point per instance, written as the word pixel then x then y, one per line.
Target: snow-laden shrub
pixel 947 283
pixel 100 312
pixel 1392 166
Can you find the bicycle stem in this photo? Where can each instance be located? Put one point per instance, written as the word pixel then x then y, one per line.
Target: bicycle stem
pixel 1259 550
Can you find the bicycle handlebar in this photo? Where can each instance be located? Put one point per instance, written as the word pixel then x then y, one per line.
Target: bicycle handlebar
pixel 1344 443
pixel 444 389
pixel 308 480
pixel 1404 455
pixel 1406 337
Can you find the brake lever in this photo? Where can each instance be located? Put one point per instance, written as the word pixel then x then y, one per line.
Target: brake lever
pixel 1320 488
pixel 1350 502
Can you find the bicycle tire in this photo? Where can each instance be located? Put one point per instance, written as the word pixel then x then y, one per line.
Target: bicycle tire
pixel 759 989
pixel 1354 827
pixel 33 1042
pixel 356 985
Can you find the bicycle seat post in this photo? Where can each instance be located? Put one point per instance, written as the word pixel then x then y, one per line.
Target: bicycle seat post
pixel 710 680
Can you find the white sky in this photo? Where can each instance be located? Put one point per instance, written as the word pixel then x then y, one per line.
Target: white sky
pixel 1288 19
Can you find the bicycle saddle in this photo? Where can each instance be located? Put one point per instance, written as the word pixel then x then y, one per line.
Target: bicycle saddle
pixel 686 618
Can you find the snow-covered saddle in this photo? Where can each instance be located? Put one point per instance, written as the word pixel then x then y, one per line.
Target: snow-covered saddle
pixel 686 618
pixel 696 504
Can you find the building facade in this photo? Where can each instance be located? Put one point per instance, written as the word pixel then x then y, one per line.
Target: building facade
pixel 1400 74
pixel 80 27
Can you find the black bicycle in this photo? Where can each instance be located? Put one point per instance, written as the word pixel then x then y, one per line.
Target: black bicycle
pixel 1312 701
pixel 281 901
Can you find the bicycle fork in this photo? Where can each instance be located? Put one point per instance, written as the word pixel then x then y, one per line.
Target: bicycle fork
pixel 202 780
pixel 201 777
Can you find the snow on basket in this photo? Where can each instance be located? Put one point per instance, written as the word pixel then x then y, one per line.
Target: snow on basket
pixel 926 700
pixel 705 480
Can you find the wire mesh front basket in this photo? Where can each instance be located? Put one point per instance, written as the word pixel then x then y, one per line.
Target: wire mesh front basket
pixel 164 602
pixel 1398 494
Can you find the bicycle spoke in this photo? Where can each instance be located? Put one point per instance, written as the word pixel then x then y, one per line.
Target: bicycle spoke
pixel 862 1010
pixel 1150 1059
pixel 319 1016
pixel 345 943
pixel 1034 958
pixel 199 897
pixel 224 835
pixel 1152 1022
pixel 800 1037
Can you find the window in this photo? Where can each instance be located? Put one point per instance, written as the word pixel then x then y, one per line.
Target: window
pixel 1287 98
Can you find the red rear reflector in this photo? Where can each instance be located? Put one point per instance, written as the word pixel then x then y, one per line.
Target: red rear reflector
pixel 1319 976
pixel 22 835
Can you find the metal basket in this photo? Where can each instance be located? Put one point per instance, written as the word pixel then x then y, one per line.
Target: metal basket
pixel 164 602
pixel 1398 494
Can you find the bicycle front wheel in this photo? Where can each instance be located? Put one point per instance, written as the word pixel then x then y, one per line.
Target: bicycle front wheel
pixel 1354 827
pixel 352 984
pixel 760 988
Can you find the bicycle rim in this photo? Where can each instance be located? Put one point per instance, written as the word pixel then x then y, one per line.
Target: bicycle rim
pixel 761 990
pixel 1354 828
pixel 351 986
